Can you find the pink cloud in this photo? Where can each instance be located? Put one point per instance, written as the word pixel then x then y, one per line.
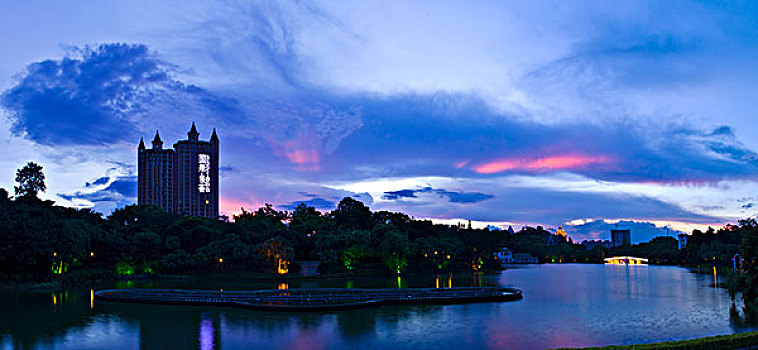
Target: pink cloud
pixel 548 163
pixel 303 151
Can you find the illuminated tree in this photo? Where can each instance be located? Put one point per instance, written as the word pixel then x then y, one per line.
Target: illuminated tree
pixel 277 252
pixel 395 249
pixel 30 180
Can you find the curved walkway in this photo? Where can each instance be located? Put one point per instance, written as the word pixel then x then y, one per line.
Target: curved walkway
pixel 311 299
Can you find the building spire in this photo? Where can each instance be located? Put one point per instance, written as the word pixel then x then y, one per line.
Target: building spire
pixel 193 134
pixel 141 146
pixel 214 137
pixel 157 143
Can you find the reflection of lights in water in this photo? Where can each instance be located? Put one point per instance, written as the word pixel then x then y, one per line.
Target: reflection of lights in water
pixel 450 281
pixel 206 334
pixel 55 300
pixel 349 284
pixel 715 282
pixel 438 282
pixel 283 286
pixel 398 282
pixel 91 299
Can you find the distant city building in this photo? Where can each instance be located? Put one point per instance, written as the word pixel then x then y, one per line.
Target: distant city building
pixel 524 258
pixel 590 245
pixel 505 256
pixel 621 237
pixel 182 180
pixel 682 239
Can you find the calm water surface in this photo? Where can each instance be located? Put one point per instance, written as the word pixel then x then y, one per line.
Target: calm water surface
pixel 563 305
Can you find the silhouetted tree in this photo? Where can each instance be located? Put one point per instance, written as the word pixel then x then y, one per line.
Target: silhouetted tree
pixel 352 215
pixel 30 180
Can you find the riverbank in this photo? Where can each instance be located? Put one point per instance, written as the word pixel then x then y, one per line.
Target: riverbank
pixel 747 340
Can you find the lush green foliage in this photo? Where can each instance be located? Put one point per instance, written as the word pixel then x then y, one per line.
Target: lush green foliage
pixel 42 238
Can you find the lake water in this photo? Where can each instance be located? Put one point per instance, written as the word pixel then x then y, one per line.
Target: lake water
pixel 563 305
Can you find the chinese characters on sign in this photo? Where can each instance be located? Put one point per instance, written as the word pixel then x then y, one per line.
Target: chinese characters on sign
pixel 204 168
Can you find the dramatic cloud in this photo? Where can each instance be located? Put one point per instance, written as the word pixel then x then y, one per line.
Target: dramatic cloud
pixel 454 197
pixel 98 96
pixel 458 135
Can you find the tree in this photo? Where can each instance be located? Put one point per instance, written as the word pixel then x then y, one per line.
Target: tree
pixel 276 252
pixel 352 215
pixel 260 225
pixel 749 253
pixel 30 180
pixel 395 249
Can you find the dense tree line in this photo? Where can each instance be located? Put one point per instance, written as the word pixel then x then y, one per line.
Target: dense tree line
pixel 41 239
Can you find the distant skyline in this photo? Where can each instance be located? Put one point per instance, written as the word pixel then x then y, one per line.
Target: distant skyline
pixel 578 114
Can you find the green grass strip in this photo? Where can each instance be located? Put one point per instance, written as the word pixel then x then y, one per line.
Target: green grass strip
pixel 731 341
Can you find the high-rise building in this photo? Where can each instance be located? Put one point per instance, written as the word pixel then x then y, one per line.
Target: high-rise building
pixel 182 180
pixel 621 237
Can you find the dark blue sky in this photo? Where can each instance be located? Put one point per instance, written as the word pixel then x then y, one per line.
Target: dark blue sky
pixel 576 113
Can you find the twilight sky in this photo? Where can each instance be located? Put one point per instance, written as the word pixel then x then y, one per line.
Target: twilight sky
pixel 573 113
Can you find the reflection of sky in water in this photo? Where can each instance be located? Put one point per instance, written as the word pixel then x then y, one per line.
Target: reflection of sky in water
pixel 563 305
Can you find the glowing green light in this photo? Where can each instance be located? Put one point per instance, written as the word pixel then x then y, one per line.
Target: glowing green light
pixel 124 268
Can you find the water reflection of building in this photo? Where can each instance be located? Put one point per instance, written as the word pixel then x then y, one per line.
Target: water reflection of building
pixel 181 328
pixel 621 237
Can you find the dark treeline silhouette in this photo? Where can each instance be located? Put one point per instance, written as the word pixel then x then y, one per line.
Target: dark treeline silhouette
pixel 42 240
